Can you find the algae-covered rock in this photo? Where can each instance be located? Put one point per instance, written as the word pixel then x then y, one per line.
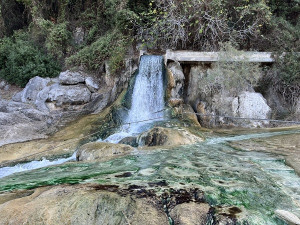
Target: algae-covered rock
pixel 102 151
pixel 160 136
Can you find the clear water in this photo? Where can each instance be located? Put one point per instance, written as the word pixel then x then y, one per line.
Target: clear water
pixel 147 99
pixel 258 183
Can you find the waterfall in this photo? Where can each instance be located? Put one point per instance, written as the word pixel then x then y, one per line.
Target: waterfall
pixel 147 99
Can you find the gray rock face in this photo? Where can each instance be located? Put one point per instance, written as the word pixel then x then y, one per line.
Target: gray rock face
pixel 68 77
pixel 176 80
pixel 46 103
pixel 251 105
pixel 21 122
pixel 30 92
pixel 91 84
pixel 195 76
pixel 75 94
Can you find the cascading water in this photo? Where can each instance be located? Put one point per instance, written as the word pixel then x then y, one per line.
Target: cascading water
pixel 147 104
pixel 147 99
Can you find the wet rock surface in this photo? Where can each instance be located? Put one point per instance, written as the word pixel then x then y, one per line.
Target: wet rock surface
pixel 160 136
pixel 287 146
pixel 190 213
pixel 105 204
pixel 102 151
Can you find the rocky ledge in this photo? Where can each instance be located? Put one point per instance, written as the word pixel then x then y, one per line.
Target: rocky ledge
pixel 108 204
pixel 45 103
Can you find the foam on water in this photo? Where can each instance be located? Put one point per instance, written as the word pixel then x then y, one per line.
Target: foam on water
pixel 6 171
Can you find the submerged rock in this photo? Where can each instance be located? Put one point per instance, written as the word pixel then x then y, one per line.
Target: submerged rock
pixel 190 213
pixel 160 136
pixel 102 151
pixel 288 217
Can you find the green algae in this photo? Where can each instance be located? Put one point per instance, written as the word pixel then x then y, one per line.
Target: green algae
pixel 256 182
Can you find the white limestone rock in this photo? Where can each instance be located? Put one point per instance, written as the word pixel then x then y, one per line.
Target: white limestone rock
pixel 251 105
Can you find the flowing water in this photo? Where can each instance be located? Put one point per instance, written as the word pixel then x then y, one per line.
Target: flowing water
pixel 256 182
pixel 147 99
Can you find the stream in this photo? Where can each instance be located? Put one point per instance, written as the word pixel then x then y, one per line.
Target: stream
pixel 258 183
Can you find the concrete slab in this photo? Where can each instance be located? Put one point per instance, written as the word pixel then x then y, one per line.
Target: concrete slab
pixel 192 56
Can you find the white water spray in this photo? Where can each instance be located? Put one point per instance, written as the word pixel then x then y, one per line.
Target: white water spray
pixel 147 99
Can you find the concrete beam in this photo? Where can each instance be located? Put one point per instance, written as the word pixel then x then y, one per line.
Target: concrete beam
pixel 191 56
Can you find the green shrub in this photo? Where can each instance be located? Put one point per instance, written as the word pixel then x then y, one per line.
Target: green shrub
pixel 20 60
pixel 111 47
pixel 285 77
pixel 57 40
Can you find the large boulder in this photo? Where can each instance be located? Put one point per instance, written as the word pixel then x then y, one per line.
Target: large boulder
pixel 68 77
pixel 251 105
pixel 72 94
pixel 102 151
pixel 20 122
pixel 160 136
pixel 33 87
pixel 190 214
pixel 78 204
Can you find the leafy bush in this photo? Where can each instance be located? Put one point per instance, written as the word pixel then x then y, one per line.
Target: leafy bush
pixel 20 60
pixel 111 47
pixel 230 74
pixel 285 77
pixel 56 42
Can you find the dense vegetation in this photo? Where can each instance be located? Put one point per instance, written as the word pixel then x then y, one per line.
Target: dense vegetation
pixel 37 36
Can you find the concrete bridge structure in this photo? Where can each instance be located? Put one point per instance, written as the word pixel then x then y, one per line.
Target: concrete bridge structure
pixel 192 56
